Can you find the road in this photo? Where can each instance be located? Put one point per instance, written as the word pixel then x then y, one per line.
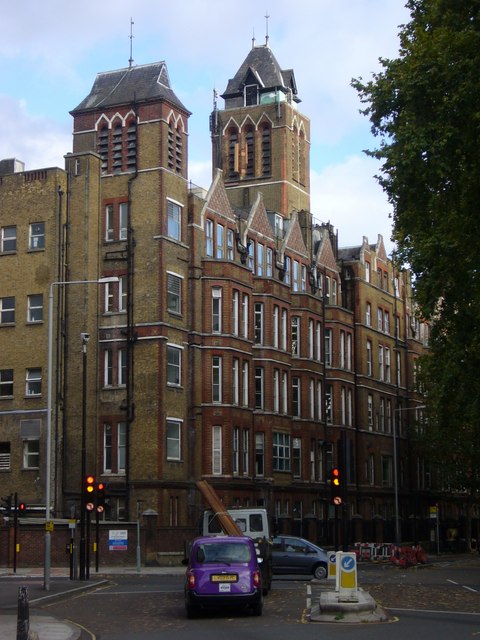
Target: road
pixel 440 601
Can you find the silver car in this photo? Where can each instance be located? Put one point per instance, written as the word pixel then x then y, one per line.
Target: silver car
pixel 297 555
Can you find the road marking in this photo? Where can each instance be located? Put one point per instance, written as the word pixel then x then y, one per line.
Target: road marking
pixel 460 613
pixel 469 588
pixel 452 581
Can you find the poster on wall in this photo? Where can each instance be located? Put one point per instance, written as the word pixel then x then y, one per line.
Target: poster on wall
pixel 118 540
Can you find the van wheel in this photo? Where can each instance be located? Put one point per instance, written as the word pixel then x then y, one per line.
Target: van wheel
pixel 320 572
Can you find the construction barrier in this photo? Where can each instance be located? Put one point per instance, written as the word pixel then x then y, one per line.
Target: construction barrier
pixel 401 556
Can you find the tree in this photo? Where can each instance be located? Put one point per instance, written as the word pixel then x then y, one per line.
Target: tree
pixel 425 108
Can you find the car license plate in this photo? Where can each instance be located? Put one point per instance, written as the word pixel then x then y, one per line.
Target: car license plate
pixel 224 577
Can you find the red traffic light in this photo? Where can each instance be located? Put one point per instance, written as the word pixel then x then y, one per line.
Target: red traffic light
pixel 21 507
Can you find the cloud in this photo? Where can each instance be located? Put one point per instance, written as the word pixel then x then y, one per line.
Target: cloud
pixel 37 141
pixel 348 196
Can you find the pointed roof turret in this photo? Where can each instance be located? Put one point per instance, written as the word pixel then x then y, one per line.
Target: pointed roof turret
pixel 261 68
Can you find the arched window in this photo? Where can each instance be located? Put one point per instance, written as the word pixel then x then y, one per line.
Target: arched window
pixel 266 151
pixel 302 158
pixel 103 147
pixel 295 153
pixel 131 145
pixel 250 153
pixel 232 169
pixel 117 148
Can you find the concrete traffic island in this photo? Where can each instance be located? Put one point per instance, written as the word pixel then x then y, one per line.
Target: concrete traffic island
pixel 329 608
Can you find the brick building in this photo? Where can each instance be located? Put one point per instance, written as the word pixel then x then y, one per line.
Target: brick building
pixel 238 342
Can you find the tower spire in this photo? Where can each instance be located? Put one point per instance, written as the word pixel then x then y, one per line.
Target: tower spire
pixel 130 61
pixel 266 28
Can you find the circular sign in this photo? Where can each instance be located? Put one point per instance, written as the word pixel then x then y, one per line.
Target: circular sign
pixel 348 563
pixel 337 500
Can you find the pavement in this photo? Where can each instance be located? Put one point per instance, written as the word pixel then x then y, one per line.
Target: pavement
pixel 45 627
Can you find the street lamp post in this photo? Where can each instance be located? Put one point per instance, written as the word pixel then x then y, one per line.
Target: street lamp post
pixel 48 458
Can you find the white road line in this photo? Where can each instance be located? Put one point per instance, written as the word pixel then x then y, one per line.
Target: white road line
pixel 469 588
pixel 452 581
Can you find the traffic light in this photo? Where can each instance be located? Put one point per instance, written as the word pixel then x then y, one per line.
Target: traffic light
pixel 336 486
pixel 22 507
pixel 90 493
pixel 6 505
pixel 100 491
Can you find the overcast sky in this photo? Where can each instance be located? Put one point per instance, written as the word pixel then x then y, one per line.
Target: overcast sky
pixel 50 53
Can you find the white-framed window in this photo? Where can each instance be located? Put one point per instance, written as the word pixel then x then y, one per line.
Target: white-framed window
pixel 216 310
pixel 209 238
pixel 33 382
pixel 387 365
pixel 8 239
pixel 230 244
pixel 343 405
pixel 311 339
pixel 295 335
pixel 6 383
pixel 235 381
pixel 311 398
pixel 107 368
pixel 288 270
pixel 260 259
pixel 342 349
pixel 349 352
pixel 370 471
pixel 258 312
pixel 386 322
pixel 381 369
pixel 174 292
pixel 245 451
pixel 251 255
pixel 121 447
pixel 220 239
pixel 275 326
pixel 368 314
pixel 122 367
pixel 174 365
pixel 217 390
pixel 284 392
pixel 259 387
pixel 123 221
pixel 369 358
pixel 319 400
pixel 334 291
pixel 174 439
pixel 236 451
pixel 318 341
pixel 174 219
pixel 36 236
pixel 245 315
pixel 328 347
pixel 7 310
pixel 281 451
pixel 327 289
pixel 276 391
pixel 31 453
pixel 382 415
pixel 217 450
pixel 269 259
pixel 304 278
pixel 389 416
pixel 114 447
pixel 379 319
pixel 399 370
pixel 35 308
pixel 235 312
pixel 296 275
pixel 367 272
pixel 387 471
pixel 284 330
pixel 245 383
pixel 5 456
pixel 259 454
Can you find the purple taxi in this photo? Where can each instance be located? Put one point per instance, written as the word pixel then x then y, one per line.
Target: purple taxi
pixel 222 572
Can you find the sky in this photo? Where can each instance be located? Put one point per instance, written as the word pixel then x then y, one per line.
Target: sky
pixel 50 53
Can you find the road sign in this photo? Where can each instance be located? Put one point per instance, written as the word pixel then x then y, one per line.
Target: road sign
pixel 347 577
pixel 332 565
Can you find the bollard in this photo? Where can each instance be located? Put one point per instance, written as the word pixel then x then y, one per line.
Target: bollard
pixel 23 617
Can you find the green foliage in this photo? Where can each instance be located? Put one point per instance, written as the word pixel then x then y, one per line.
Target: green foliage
pixel 424 107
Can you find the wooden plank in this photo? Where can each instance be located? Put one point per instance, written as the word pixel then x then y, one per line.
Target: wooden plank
pixel 227 523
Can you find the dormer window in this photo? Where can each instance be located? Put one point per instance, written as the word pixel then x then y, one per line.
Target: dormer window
pixel 250 93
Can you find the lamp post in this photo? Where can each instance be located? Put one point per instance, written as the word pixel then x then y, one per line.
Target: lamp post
pixel 48 458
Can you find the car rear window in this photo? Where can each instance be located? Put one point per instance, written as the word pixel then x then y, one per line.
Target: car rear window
pixel 216 551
